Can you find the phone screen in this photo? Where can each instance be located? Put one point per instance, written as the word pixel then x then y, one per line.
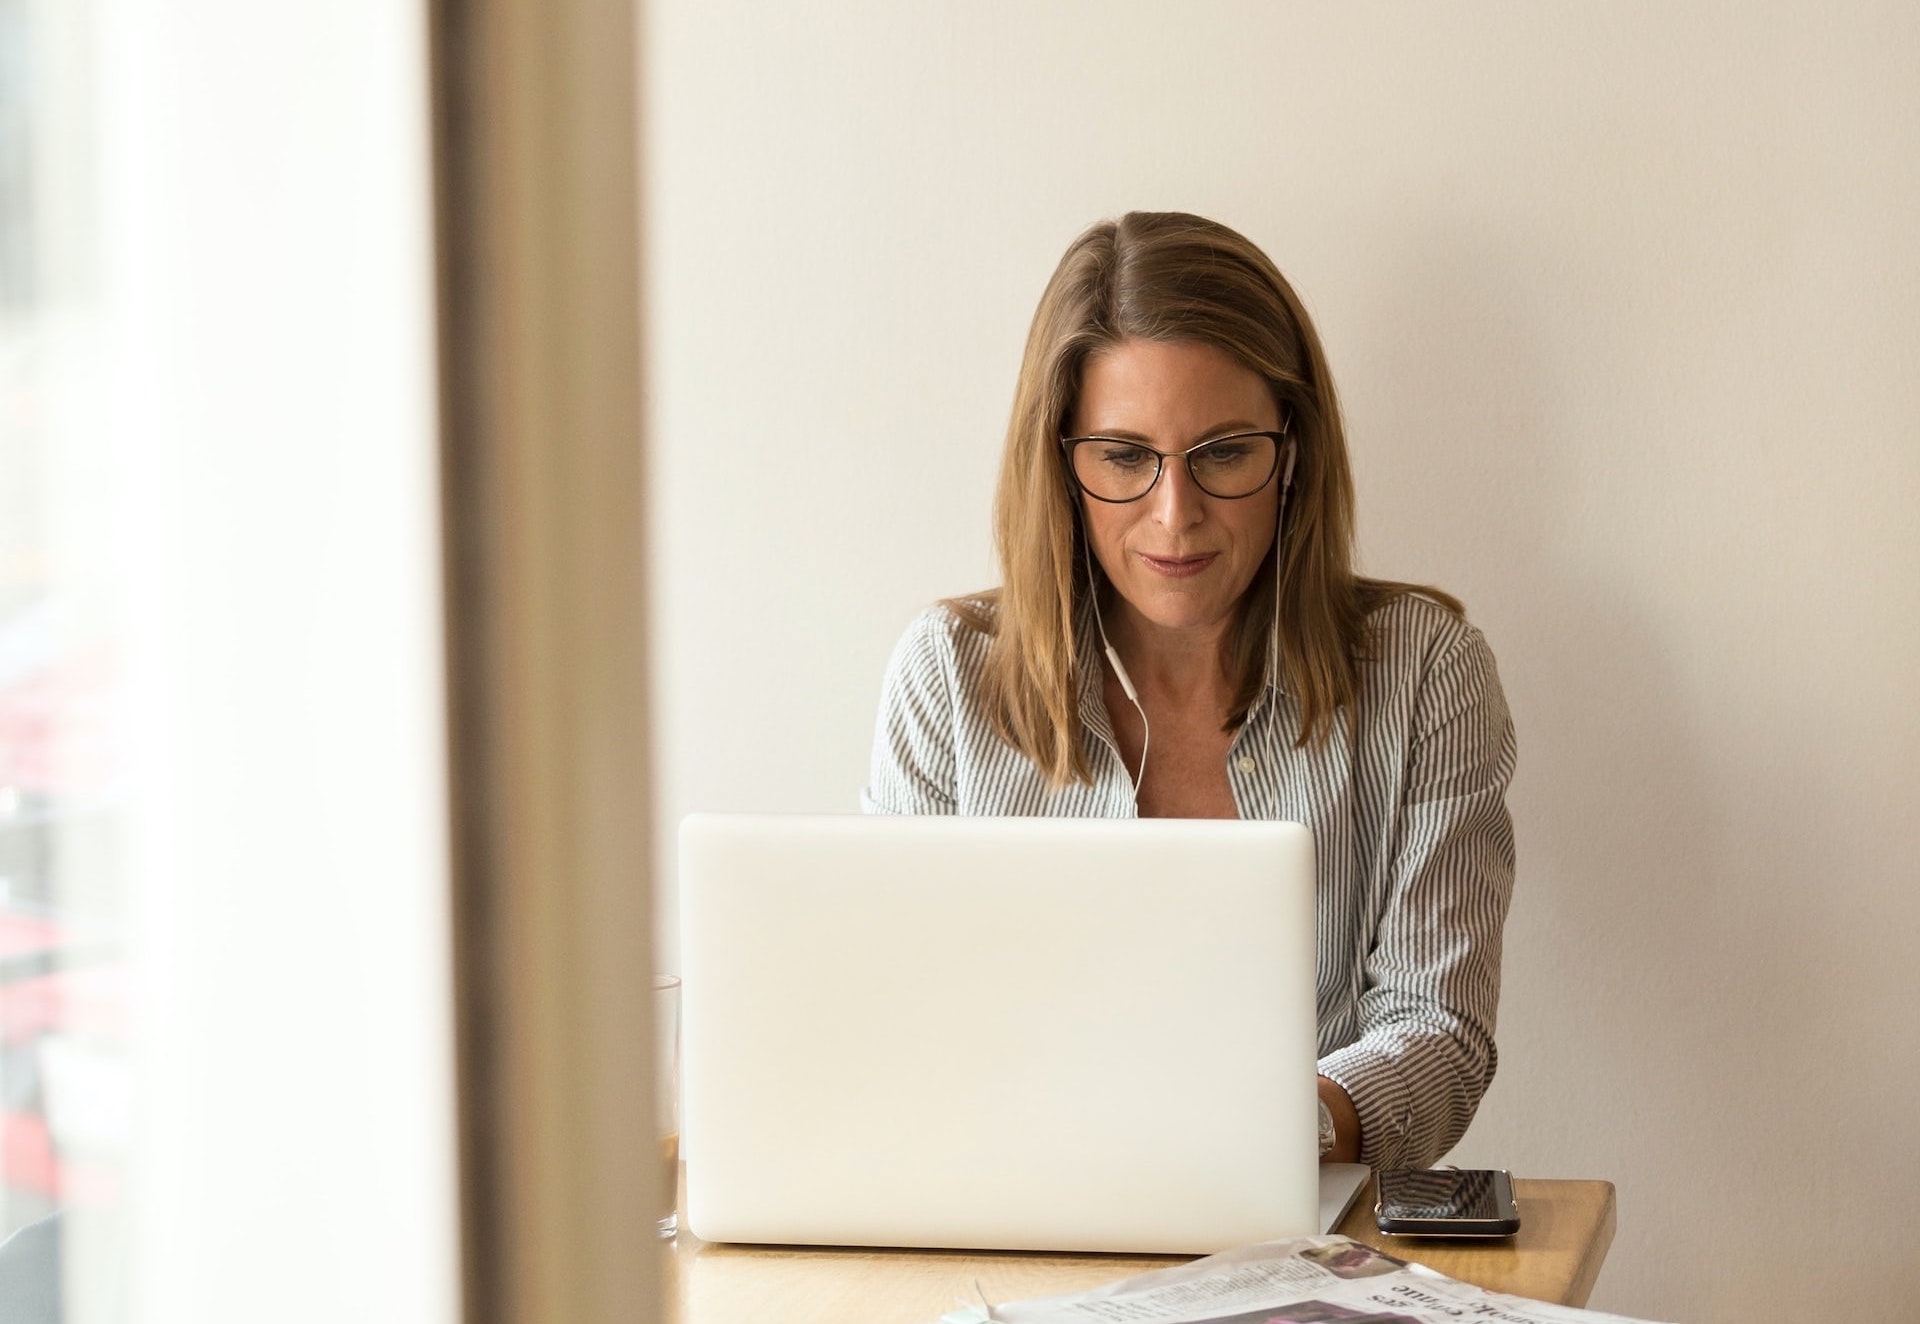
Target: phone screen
pixel 1442 1193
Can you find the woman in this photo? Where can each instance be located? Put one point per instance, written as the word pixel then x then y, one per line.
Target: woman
pixel 1179 632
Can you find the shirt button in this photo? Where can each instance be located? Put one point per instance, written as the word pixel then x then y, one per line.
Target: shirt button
pixel 1246 763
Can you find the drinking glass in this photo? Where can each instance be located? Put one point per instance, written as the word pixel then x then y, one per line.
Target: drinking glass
pixel 666 1095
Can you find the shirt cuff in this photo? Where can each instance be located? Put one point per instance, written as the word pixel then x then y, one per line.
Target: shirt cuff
pixel 1380 1097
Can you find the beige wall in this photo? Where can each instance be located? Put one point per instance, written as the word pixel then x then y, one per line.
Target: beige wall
pixel 1624 302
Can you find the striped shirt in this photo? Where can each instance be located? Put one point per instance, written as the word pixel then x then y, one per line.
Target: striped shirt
pixel 1412 841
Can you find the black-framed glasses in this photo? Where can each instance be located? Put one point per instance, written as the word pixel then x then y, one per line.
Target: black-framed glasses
pixel 1116 470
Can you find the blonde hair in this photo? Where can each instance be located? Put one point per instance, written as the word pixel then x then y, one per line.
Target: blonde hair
pixel 1168 276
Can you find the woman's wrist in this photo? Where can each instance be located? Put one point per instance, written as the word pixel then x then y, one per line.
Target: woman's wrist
pixel 1346 1124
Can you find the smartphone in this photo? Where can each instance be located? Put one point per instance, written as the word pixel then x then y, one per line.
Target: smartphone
pixel 1446 1202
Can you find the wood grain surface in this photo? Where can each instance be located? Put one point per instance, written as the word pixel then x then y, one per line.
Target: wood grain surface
pixel 1565 1230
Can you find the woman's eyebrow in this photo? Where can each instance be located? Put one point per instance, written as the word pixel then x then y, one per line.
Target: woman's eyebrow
pixel 1217 430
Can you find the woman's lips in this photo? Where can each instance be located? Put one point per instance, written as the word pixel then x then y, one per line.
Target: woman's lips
pixel 1178 567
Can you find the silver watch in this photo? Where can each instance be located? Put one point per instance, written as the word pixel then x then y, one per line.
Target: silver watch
pixel 1326 1129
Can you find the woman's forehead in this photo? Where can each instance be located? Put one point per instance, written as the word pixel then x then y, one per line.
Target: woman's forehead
pixel 1152 386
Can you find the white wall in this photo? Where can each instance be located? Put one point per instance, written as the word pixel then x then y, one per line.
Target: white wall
pixel 267 377
pixel 1624 303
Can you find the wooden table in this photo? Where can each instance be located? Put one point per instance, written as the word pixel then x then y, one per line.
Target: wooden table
pixel 1565 1229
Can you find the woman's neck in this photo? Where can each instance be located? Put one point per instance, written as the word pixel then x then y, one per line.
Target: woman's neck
pixel 1187 666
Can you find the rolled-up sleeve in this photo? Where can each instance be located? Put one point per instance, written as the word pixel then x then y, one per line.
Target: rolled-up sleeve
pixel 1425 1054
pixel 913 740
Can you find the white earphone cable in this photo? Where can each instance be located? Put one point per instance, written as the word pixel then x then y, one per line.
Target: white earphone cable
pixel 1113 660
pixel 1279 549
pixel 1113 656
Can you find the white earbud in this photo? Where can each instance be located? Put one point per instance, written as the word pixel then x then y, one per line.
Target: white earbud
pixel 1286 490
pixel 1120 673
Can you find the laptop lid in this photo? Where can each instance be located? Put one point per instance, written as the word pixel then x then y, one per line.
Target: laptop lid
pixel 1040 1034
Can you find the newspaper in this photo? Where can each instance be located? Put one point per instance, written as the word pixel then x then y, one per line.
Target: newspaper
pixel 1308 1280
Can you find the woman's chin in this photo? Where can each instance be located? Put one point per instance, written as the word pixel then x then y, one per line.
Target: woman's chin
pixel 1181 613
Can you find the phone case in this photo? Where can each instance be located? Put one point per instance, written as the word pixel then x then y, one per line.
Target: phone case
pixel 1504 1224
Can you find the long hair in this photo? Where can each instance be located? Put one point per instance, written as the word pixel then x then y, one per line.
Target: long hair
pixel 1168 276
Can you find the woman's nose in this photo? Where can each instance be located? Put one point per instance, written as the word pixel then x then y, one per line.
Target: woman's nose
pixel 1176 500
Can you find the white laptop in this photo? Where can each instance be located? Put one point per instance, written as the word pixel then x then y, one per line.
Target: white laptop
pixel 1020 1034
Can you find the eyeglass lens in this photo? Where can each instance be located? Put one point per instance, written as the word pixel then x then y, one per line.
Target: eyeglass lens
pixel 1114 470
